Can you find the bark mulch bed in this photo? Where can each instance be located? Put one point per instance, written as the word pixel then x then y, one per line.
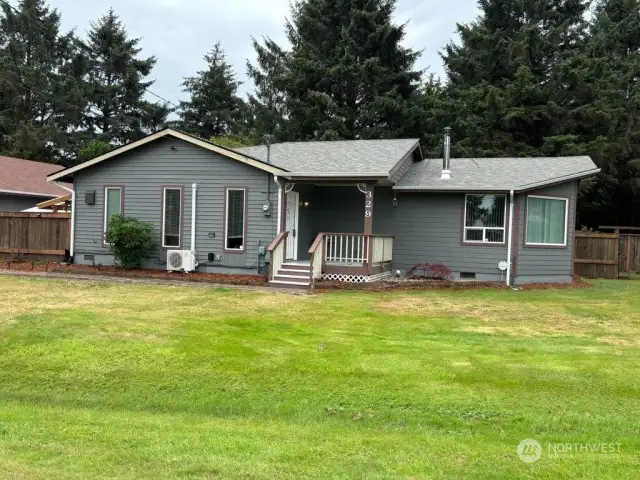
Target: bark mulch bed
pixel 430 284
pixel 54 267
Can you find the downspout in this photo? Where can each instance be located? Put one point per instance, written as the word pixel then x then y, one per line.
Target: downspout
pixel 510 238
pixel 194 190
pixel 73 215
pixel 275 178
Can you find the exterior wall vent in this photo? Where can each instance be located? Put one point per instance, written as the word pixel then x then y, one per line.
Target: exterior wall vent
pixel 467 276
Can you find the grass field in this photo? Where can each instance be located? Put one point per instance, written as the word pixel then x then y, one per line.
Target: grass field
pixel 124 381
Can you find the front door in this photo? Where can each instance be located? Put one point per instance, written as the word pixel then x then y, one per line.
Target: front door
pixel 293 202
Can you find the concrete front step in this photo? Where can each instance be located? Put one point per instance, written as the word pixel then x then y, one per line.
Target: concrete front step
pixel 293 271
pixel 289 283
pixel 292 278
pixel 296 266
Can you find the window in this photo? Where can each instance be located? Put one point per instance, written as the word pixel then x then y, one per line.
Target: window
pixel 171 216
pixel 547 221
pixel 235 213
pixel 112 205
pixel 484 218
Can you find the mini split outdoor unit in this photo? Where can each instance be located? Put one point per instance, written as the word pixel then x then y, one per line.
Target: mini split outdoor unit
pixel 181 261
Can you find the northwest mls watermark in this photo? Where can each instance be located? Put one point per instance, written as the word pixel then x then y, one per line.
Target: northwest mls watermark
pixel 530 450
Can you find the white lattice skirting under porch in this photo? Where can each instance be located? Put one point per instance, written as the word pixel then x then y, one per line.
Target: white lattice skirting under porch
pixel 355 278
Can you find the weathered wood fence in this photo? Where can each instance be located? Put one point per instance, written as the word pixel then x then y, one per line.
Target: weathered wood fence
pixel 596 255
pixel 629 254
pixel 607 255
pixel 24 233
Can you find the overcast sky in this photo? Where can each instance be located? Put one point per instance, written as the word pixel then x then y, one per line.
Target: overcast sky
pixel 180 32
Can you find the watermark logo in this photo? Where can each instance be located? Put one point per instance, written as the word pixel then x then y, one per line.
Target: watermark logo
pixel 529 450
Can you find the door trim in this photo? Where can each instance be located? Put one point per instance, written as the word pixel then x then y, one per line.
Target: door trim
pixel 292 253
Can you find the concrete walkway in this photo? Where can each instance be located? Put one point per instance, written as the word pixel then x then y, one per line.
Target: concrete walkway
pixel 149 281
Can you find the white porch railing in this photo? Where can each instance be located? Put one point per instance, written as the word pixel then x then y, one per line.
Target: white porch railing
pixel 346 248
pixel 349 253
pixel 277 253
pixel 316 257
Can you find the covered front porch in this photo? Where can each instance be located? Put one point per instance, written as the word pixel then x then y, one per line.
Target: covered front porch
pixel 326 231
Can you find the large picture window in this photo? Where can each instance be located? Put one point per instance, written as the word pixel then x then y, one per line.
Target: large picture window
pixel 112 205
pixel 547 220
pixel 171 216
pixel 234 238
pixel 484 218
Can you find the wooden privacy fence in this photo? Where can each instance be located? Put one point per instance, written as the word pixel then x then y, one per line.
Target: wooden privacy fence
pixel 607 255
pixel 629 260
pixel 34 233
pixel 596 255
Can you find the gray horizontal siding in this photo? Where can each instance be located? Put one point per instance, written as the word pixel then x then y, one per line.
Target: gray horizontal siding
pixel 144 171
pixel 427 229
pixel 535 264
pixel 18 203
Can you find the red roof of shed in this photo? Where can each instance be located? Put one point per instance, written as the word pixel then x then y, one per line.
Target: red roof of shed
pixel 26 177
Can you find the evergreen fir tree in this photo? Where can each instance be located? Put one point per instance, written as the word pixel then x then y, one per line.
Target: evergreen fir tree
pixel 267 105
pixel 214 109
pixel 117 112
pixel 347 75
pixel 604 121
pixel 501 84
pixel 41 94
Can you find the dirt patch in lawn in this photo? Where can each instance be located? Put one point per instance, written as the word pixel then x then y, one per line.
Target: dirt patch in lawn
pixel 522 318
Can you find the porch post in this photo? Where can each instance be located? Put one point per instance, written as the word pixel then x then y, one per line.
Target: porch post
pixel 368 209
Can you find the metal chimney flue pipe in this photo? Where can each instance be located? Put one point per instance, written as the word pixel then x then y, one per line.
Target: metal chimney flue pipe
pixel 446 158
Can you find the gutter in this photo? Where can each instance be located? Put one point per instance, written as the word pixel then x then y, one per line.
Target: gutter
pixel 573 176
pixel 30 194
pixel 73 216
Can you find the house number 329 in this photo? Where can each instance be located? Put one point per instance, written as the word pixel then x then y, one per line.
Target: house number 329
pixel 368 205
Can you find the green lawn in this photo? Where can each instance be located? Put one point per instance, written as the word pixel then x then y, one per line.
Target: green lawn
pixel 124 381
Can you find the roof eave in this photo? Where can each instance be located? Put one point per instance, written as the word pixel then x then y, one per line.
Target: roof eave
pixel 333 175
pixel 412 188
pixel 28 194
pixel 562 179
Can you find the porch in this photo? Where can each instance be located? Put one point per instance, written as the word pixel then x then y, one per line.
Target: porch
pixel 347 257
pixel 326 231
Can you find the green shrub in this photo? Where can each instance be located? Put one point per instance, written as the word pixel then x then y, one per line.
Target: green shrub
pixel 131 240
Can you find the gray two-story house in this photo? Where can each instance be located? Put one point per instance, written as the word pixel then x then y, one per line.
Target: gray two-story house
pixel 348 210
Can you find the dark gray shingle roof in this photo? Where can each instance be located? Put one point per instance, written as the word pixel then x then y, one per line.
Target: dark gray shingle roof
pixel 356 157
pixel 495 173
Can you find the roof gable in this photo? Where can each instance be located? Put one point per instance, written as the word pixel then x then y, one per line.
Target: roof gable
pixel 246 159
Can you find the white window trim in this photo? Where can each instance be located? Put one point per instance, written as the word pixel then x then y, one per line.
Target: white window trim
pixel 104 219
pixel 226 219
pixel 484 229
pixel 566 222
pixel 164 216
